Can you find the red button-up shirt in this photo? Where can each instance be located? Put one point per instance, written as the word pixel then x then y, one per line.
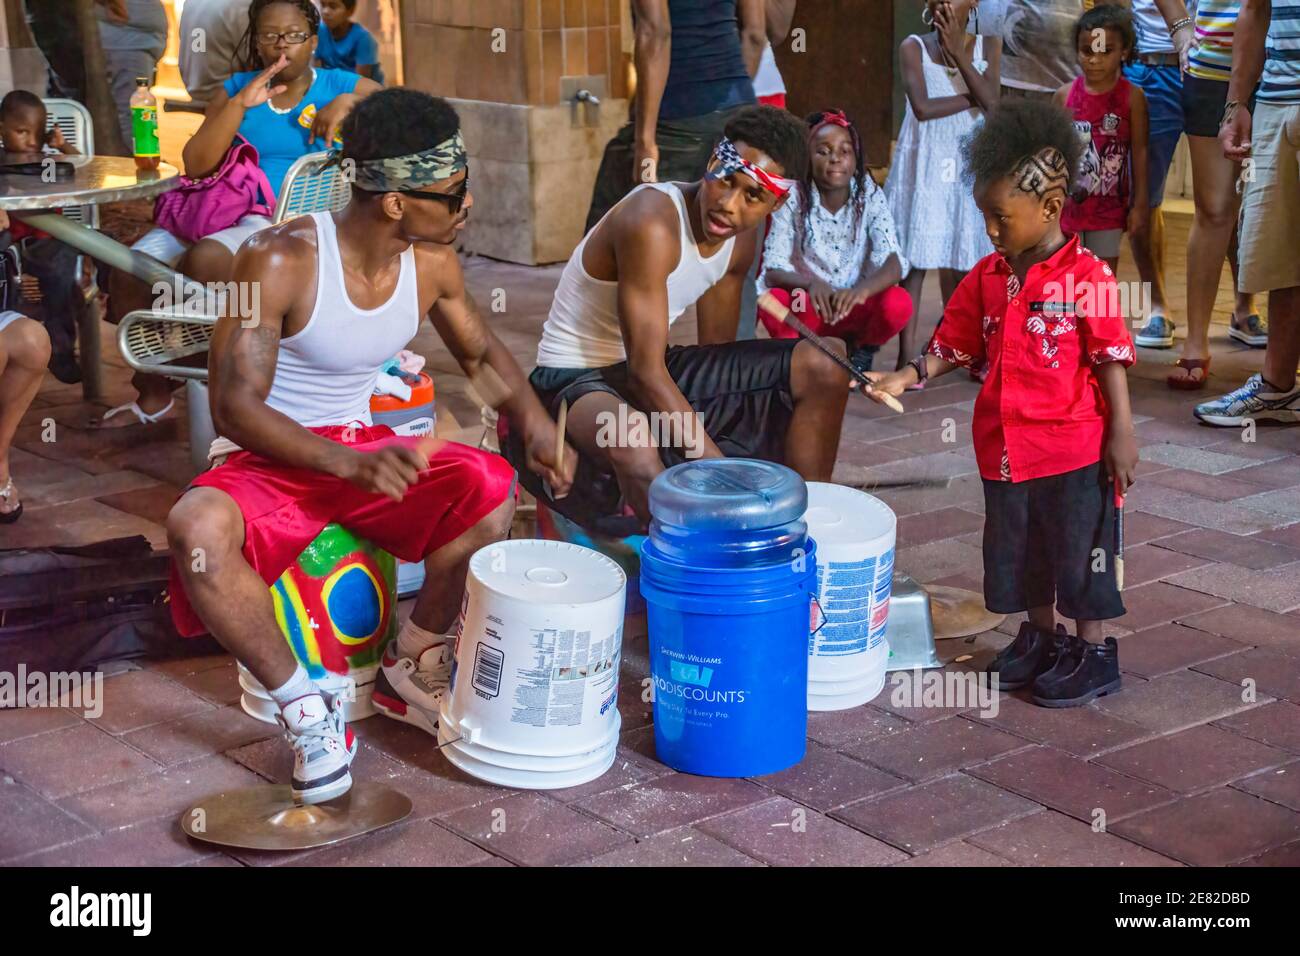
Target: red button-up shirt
pixel 1041 411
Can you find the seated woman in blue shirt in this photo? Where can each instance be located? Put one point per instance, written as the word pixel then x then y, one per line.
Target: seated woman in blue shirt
pixel 273 109
pixel 344 45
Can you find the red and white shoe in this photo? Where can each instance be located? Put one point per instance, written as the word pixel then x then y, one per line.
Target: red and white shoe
pixel 411 691
pixel 323 748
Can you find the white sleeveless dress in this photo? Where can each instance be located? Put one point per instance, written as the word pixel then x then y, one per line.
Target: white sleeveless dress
pixel 934 209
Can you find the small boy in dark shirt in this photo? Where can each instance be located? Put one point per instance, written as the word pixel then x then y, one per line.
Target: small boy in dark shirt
pixel 23 122
pixel 1052 428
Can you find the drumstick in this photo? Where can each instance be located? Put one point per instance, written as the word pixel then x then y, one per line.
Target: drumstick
pixel 560 422
pixel 1119 539
pixel 770 303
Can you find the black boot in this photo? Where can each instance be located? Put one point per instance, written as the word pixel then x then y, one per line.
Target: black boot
pixel 1067 651
pixel 1095 675
pixel 1030 654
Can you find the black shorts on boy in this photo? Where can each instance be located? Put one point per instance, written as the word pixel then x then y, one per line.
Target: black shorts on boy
pixel 1051 541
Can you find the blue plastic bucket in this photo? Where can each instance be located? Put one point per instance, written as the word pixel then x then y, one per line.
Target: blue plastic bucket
pixel 728 618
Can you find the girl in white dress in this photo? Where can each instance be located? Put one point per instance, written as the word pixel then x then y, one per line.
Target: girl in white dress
pixel 951 78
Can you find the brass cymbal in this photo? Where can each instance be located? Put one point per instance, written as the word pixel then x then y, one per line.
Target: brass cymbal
pixel 957 612
pixel 266 818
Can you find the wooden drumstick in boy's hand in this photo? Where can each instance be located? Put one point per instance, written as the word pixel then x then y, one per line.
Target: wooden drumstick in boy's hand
pixel 560 421
pixel 1119 539
pixel 770 303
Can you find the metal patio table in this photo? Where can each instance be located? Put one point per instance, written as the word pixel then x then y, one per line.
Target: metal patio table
pixel 96 180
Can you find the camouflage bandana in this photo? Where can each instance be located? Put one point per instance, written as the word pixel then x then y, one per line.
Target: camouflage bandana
pixel 407 173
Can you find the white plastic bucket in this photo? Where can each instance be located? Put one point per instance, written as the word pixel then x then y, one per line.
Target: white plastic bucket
pixel 410 578
pixel 534 685
pixel 847 650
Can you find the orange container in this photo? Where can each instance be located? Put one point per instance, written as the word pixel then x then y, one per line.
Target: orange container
pixel 415 416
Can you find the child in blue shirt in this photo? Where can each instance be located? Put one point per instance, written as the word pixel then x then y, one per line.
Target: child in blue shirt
pixel 344 45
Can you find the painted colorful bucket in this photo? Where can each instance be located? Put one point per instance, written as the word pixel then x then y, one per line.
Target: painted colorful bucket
pixel 336 607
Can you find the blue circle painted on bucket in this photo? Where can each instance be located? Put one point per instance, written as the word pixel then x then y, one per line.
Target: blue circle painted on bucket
pixel 354 605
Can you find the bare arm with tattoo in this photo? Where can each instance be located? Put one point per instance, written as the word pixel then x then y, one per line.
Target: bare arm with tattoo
pixel 242 365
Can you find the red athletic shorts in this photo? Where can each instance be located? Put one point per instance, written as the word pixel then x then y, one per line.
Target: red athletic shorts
pixel 285 508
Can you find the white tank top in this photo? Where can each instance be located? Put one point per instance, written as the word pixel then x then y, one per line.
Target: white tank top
pixel 324 375
pixel 582 330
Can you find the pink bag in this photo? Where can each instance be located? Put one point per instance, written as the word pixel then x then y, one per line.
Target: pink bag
pixel 200 207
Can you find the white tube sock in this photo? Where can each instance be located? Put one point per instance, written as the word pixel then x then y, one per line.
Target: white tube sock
pixel 413 640
pixel 300 691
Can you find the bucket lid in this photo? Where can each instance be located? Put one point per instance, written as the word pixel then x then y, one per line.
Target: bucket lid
pixel 546 572
pixel 838 514
pixel 731 493
pixel 421 395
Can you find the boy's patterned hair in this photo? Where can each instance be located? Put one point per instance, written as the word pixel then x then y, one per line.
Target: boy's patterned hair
pixel 1033 143
pixel 1042 173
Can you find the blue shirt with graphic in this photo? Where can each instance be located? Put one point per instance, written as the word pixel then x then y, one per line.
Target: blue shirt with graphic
pixel 280 139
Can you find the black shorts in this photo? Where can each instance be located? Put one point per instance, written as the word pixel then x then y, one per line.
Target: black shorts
pixel 739 390
pixel 1203 102
pixel 1052 541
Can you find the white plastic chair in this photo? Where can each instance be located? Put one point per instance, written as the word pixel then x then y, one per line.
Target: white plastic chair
pixel 73 120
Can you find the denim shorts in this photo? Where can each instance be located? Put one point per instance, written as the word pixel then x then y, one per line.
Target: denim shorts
pixel 1163 87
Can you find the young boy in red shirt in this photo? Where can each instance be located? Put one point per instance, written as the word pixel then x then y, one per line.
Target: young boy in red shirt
pixel 1052 428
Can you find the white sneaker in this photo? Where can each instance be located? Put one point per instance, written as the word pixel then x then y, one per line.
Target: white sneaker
pixel 412 691
pixel 323 748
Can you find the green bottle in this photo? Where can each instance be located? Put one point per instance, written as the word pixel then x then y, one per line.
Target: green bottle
pixel 144 125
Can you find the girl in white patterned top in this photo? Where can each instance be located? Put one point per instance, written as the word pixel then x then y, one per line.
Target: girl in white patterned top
pixel 831 253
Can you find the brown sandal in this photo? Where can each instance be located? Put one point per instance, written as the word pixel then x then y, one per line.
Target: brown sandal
pixel 1187 383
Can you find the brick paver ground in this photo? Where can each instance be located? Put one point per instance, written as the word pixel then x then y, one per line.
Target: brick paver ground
pixel 1196 761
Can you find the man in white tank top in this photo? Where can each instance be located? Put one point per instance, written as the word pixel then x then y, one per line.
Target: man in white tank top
pixel 636 406
pixel 340 293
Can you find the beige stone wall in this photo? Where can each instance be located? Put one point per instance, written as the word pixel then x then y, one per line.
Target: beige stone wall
pixel 448 47
pixel 531 169
pixel 533 156
pixel 21 64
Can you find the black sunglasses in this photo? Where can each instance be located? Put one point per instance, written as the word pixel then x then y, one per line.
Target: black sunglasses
pixel 454 200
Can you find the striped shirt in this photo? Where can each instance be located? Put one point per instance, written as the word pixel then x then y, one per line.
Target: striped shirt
pixel 1281 80
pixel 1211 57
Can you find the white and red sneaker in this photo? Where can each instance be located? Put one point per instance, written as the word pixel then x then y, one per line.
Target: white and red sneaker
pixel 323 747
pixel 411 691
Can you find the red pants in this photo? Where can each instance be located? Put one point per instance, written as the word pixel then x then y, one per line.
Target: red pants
pixel 874 322
pixel 773 99
pixel 286 508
